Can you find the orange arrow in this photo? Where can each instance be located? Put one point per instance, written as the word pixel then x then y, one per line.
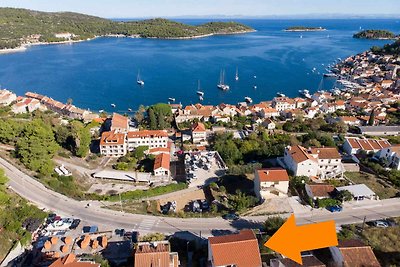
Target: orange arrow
pixel 290 240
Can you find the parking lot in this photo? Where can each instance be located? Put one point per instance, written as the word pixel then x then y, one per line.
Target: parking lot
pixel 202 168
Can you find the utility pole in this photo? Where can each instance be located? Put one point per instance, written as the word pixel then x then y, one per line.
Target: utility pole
pixel 120 202
pixel 365 218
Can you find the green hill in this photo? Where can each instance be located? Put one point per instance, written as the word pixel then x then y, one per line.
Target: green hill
pixel 21 26
pixel 375 34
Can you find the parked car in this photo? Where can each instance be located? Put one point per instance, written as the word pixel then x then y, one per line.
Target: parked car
pixel 390 222
pixel 335 208
pixel 231 217
pixel 51 218
pixel 380 224
pixel 205 205
pixel 75 223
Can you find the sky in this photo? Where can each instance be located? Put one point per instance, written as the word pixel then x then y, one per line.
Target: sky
pixel 230 8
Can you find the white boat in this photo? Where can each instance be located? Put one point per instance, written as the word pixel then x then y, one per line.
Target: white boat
pixel 113 105
pixel 201 98
pixel 221 85
pixel 139 81
pixel 255 86
pixel 171 99
pixel 129 109
pixel 199 92
pixel 330 75
pixel 305 93
pixel 248 99
pixel 280 94
pixel 301 36
pixel 237 74
pixel 101 110
pixel 255 77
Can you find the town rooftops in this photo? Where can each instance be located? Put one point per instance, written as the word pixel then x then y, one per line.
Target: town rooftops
pixel 71 261
pixel 357 190
pixel 112 138
pixel 308 261
pixel 119 122
pixel 198 127
pixel 147 134
pixel 367 144
pixel 240 250
pixel 357 254
pixel 321 190
pixel 155 254
pixel 162 161
pixel 273 175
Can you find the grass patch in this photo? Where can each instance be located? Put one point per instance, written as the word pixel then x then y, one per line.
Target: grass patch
pixel 152 192
pixel 373 183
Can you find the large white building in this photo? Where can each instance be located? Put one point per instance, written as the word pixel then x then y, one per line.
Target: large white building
pixel 149 138
pixel 199 133
pixel 354 145
pixel 283 103
pixel 271 183
pixel 391 155
pixel 322 163
pixel 113 144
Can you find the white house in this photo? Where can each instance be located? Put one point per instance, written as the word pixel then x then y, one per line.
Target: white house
pixel 323 162
pixel 113 144
pixel 283 103
pixel 7 97
pixel 391 155
pixel 199 133
pixel 270 183
pixel 354 145
pixel 269 124
pixel 162 165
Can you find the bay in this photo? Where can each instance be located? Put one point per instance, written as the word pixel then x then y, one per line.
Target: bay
pixel 103 71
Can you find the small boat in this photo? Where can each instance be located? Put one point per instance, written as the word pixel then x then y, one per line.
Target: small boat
pixel 101 110
pixel 201 98
pixel 221 85
pixel 171 99
pixel 199 92
pixel 255 77
pixel 305 93
pixel 237 74
pixel 330 75
pixel 301 36
pixel 255 86
pixel 129 109
pixel 113 105
pixel 139 80
pixel 280 94
pixel 248 99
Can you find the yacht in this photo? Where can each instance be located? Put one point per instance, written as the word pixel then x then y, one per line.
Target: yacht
pixel 255 86
pixel 330 75
pixel 201 98
pixel 237 74
pixel 221 85
pixel 101 110
pixel 248 99
pixel 199 92
pixel 280 94
pixel 113 105
pixel 129 109
pixel 305 93
pixel 139 81
pixel 171 99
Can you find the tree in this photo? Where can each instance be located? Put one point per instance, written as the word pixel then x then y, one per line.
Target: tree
pixel 139 114
pixel 36 147
pixel 344 195
pixel 371 121
pixel 272 224
pixel 3 178
pixel 139 152
pixel 152 120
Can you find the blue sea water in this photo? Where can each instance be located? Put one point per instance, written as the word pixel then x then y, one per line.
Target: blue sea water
pixel 103 71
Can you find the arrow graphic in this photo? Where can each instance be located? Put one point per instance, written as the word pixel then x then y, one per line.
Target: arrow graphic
pixel 290 240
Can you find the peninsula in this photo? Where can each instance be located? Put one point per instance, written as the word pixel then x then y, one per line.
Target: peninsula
pixel 375 34
pixel 304 29
pixel 21 27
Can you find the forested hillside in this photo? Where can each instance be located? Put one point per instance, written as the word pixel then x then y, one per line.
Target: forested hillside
pixel 20 26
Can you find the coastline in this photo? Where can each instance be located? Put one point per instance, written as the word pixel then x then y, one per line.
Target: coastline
pixel 24 47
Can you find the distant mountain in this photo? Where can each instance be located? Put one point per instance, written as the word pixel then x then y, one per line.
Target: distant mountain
pixel 22 26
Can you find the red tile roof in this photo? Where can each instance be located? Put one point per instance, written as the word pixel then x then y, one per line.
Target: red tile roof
pixel 198 127
pixel 299 154
pixel 162 161
pixel 111 138
pixel 71 261
pixel 357 254
pixel 240 250
pixel 321 190
pixel 147 133
pixel 148 255
pixel 326 152
pixel 119 122
pixel 273 175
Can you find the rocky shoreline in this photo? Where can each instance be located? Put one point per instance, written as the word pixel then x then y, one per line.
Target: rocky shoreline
pixel 24 47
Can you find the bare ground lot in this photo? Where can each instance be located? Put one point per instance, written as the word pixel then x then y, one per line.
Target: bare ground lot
pixel 382 189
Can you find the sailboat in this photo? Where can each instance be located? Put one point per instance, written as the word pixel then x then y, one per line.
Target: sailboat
pixel 199 92
pixel 221 85
pixel 139 81
pixel 237 74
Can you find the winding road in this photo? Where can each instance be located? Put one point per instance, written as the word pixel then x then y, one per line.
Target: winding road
pixel 35 192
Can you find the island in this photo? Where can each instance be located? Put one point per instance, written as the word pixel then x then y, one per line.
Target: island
pixel 22 27
pixel 375 34
pixel 388 49
pixel 304 29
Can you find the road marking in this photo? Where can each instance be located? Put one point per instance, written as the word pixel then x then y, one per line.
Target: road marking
pixel 365 207
pixel 147 224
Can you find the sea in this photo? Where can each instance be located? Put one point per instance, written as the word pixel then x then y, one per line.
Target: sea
pixel 98 73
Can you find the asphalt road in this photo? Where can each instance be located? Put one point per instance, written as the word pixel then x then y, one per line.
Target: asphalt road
pixel 35 192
